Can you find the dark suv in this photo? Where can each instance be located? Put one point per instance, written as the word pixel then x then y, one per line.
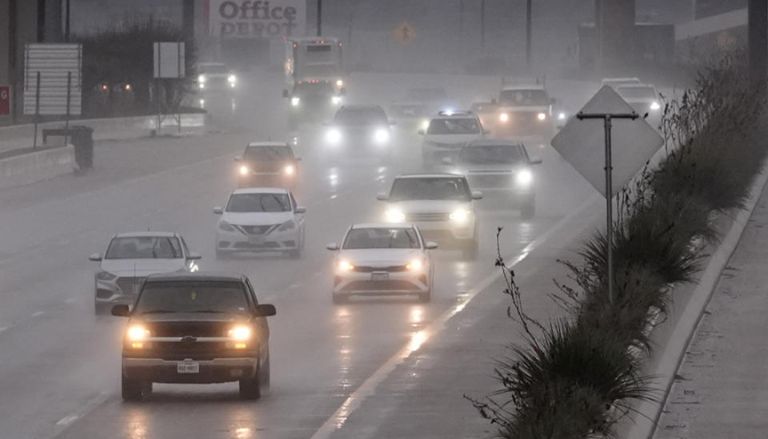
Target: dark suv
pixel 271 164
pixel 195 328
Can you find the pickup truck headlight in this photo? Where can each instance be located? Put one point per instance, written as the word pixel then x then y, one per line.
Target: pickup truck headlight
pixel 524 178
pixel 105 275
pixel 244 170
pixel 460 216
pixel 240 333
pixel 541 116
pixel 381 136
pixel 137 333
pixel 289 170
pixel 394 215
pixel 504 117
pixel 344 266
pixel 415 264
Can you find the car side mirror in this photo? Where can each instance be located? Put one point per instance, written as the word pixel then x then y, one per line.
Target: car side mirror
pixel 301 209
pixel 264 310
pixel 194 256
pixel 121 311
pixel 382 197
pixel 421 132
pixel 285 93
pixel 430 245
pixel 218 211
pixel 476 195
pixel 535 161
pixel 238 158
pixel 332 247
pixel 96 257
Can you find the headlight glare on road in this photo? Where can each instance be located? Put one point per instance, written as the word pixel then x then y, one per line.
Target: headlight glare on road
pixel 344 266
pixel 460 216
pixel 240 333
pixel 105 275
pixel 244 170
pixel 524 178
pixel 333 136
pixel 415 264
pixel 655 106
pixel 541 116
pixel 394 215
pixel 504 117
pixel 225 226
pixel 289 170
pixel 295 101
pixel 137 333
pixel 381 136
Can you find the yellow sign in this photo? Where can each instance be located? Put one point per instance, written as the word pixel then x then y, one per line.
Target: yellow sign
pixel 404 33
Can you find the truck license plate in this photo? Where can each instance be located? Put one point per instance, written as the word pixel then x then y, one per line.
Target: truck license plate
pixel 378 277
pixel 188 366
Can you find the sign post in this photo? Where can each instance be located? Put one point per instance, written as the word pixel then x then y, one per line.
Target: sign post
pixel 169 63
pixel 5 100
pixel 628 142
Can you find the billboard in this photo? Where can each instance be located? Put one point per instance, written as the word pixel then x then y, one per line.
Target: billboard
pixel 52 78
pixel 271 19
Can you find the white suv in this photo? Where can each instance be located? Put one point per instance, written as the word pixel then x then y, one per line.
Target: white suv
pixel 446 134
pixel 260 220
pixel 440 205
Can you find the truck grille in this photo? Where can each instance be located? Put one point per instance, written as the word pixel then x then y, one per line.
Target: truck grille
pixel 389 269
pixel 190 329
pixel 428 216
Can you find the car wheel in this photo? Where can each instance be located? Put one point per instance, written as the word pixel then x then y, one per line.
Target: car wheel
pixel 264 376
pixel 528 210
pixel 250 388
pixel 135 390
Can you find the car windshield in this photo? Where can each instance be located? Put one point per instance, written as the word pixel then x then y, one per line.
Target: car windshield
pixel 492 154
pixel 192 297
pixel 212 68
pixel 637 92
pixel 262 202
pixel 144 247
pixel 524 97
pixel 381 237
pixel 363 116
pixel 267 154
pixel 430 188
pixel 467 125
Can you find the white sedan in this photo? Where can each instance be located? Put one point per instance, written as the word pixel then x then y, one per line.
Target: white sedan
pixel 382 259
pixel 260 220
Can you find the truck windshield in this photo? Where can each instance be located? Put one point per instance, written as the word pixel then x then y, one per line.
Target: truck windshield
pixel 524 97
pixel 192 297
pixel 430 188
pixel 362 116
pixel 267 154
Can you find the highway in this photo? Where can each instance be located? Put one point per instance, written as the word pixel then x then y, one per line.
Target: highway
pixel 60 366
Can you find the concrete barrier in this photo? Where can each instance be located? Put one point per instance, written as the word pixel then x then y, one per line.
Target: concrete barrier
pixel 36 166
pixel 120 128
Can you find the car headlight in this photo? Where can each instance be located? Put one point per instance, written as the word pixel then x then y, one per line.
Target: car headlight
pixel 288 225
pixel 295 101
pixel 289 170
pixel 240 333
pixel 225 226
pixel 541 116
pixel 344 266
pixel 561 116
pixel 504 117
pixel 655 106
pixel 105 275
pixel 244 170
pixel 201 79
pixel 424 124
pixel 415 264
pixel 333 136
pixel 231 79
pixel 524 178
pixel 381 135
pixel 393 215
pixel 335 100
pixel 339 83
pixel 456 171
pixel 137 332
pixel 460 216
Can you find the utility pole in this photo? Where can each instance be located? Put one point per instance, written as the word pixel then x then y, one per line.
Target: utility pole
pixel 67 10
pixel 482 24
pixel 758 40
pixel 187 19
pixel 319 18
pixel 528 32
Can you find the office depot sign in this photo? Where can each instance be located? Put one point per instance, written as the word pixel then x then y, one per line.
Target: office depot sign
pixel 257 19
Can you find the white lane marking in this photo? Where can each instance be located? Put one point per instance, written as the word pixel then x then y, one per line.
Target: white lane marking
pixel 66 420
pixel 368 387
pixel 294 286
pixel 38 313
pixel 333 197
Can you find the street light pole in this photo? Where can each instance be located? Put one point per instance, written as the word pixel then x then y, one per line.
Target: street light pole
pixel 757 21
pixel 528 31
pixel 319 18
pixel 607 125
pixel 482 23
